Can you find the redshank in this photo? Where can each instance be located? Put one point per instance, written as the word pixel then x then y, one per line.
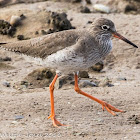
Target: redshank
pixel 70 51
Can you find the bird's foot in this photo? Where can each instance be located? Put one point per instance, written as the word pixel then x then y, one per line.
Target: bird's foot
pixel 56 123
pixel 110 108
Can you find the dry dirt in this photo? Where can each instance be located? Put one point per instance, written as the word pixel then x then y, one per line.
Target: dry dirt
pixel 24 112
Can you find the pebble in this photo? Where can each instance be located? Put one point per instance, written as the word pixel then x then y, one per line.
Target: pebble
pixel 14 122
pixel 83 74
pixel 130 8
pixel 97 67
pixel 69 103
pixel 6 84
pixel 19 117
pixel 121 79
pixel 71 19
pixel 75 1
pixel 116 84
pixel 49 31
pixel 83 134
pixel 74 133
pixel 84 9
pixel 22 16
pixel 63 80
pixel 134 119
pixel 24 84
pixel 43 32
pixel 101 8
pixel 89 22
pixel 106 82
pixel 6 58
pixel 36 33
pixel 137 67
pixel 85 83
pixel 15 20
pixel 88 1
pixel 20 37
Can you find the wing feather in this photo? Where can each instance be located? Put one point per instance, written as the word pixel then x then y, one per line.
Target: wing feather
pixel 43 46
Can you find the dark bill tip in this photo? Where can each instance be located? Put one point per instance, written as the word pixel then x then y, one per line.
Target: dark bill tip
pixel 117 35
pixel 2 43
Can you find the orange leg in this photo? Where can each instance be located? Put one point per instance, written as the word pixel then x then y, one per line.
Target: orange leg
pixel 52 116
pixel 108 107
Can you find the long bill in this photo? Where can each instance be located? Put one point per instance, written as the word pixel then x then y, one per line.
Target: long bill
pixel 117 35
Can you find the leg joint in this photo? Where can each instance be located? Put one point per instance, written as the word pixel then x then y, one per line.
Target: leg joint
pixel 51 87
pixel 77 89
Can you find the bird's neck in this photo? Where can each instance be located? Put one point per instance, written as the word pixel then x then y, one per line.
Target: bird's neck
pixel 105 43
pixel 103 40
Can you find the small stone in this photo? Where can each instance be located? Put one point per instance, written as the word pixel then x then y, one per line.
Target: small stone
pixel 48 21
pixel 137 121
pixel 6 84
pixel 83 74
pixel 134 119
pixel 106 82
pixel 130 8
pixel 121 79
pixel 36 33
pixel 11 30
pixel 71 19
pixel 19 117
pixel 20 37
pixel 74 133
pixel 84 9
pixel 88 1
pixel 116 84
pixel 75 1
pixel 89 22
pixel 85 83
pixel 14 122
pixel 137 67
pixel 15 20
pixel 97 67
pixel 25 84
pixel 22 16
pixel 43 32
pixel 101 8
pixel 64 80
pixel 83 134
pixel 110 85
pixel 6 58
pixel 49 31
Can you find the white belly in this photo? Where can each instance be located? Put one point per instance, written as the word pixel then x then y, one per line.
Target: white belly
pixel 68 62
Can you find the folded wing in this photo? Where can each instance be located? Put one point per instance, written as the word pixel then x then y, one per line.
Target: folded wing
pixel 43 46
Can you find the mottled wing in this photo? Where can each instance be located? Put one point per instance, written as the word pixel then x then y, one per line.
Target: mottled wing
pixel 43 46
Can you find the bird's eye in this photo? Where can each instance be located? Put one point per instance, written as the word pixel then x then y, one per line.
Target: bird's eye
pixel 105 27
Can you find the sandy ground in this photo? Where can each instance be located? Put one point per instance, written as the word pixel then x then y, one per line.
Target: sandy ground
pixel 84 117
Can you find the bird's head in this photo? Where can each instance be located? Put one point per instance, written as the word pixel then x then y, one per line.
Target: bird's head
pixel 106 27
